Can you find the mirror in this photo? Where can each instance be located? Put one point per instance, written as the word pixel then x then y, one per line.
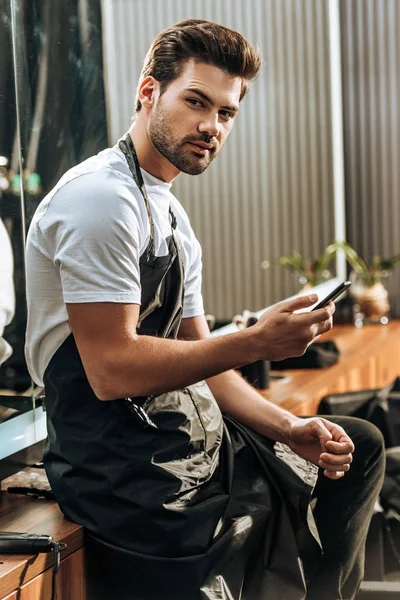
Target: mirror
pixel 53 117
pixel 17 428
pixel 14 377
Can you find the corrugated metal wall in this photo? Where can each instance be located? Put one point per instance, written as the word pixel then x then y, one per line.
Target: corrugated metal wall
pixel 371 105
pixel 271 190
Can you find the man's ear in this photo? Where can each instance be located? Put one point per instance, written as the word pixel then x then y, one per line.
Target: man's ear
pixel 148 91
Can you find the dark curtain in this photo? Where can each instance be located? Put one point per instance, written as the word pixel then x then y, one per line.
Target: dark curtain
pixel 62 108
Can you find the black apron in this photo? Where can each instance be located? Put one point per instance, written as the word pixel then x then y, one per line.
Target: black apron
pixel 183 503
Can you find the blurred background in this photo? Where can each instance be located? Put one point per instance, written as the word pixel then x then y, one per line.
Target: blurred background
pixel 313 156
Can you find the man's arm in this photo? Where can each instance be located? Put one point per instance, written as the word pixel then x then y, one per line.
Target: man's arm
pixel 120 363
pixel 316 439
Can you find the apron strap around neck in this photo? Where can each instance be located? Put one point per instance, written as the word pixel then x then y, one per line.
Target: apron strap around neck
pixel 127 148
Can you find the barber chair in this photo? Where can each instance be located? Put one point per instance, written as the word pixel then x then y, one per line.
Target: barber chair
pixel 382 559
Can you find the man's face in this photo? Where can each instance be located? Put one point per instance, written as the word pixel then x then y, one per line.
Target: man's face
pixel 193 117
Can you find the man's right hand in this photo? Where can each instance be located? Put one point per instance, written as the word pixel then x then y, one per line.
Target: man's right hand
pixel 282 332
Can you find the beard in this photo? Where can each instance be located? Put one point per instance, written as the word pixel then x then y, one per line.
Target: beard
pixel 175 150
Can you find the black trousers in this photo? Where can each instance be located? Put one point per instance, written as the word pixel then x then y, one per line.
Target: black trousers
pixel 343 513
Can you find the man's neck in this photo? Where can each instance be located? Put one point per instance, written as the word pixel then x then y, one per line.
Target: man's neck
pixel 149 158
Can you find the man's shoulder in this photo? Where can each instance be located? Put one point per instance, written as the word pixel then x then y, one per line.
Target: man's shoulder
pixel 105 168
pixel 100 182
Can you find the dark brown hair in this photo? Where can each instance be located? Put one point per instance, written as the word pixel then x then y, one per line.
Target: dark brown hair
pixel 202 41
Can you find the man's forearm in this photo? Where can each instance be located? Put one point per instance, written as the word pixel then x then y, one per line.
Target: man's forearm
pixel 239 399
pixel 147 365
pixel 119 363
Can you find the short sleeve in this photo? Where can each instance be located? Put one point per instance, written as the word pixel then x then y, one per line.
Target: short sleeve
pixel 93 233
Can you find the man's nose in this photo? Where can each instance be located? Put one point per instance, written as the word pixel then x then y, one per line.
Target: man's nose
pixel 210 125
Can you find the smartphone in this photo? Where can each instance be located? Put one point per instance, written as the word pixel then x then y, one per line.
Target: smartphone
pixel 338 291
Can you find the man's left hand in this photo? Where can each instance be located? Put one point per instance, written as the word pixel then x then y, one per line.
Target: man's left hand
pixel 323 443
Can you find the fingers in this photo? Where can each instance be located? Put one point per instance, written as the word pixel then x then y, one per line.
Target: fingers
pixel 335 467
pixel 320 312
pixel 324 326
pixel 337 456
pixel 286 332
pixel 320 316
pixel 318 430
pixel 335 475
pixel 340 442
pixel 333 463
pixel 299 302
pixel 340 447
pixel 319 321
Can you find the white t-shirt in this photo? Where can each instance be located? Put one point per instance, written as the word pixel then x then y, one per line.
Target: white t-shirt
pixel 84 245
pixel 7 296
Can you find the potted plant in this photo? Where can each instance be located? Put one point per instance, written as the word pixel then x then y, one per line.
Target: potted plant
pixel 368 282
pixel 310 272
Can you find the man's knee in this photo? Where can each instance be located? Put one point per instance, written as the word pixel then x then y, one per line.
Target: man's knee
pixel 360 431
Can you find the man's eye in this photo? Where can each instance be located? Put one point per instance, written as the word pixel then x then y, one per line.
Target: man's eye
pixel 194 102
pixel 225 114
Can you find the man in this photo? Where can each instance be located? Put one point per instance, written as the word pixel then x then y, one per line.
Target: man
pixel 192 504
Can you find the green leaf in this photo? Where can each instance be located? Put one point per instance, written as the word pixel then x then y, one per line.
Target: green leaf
pixel 355 261
pixel 294 262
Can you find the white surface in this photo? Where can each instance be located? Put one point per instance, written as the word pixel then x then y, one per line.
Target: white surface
pixel 7 296
pixel 22 431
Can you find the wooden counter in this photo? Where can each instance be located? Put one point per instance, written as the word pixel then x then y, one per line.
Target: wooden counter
pixel 29 577
pixel 369 358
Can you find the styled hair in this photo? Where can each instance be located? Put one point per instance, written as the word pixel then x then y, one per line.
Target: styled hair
pixel 202 41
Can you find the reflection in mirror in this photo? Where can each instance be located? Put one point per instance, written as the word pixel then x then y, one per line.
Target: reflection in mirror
pixel 61 97
pixel 59 91
pixel 55 52
pixel 17 428
pixel 13 374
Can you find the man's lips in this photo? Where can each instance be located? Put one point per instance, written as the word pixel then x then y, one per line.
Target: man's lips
pixel 202 147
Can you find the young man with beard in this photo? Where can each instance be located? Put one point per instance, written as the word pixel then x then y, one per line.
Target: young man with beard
pixel 181 502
